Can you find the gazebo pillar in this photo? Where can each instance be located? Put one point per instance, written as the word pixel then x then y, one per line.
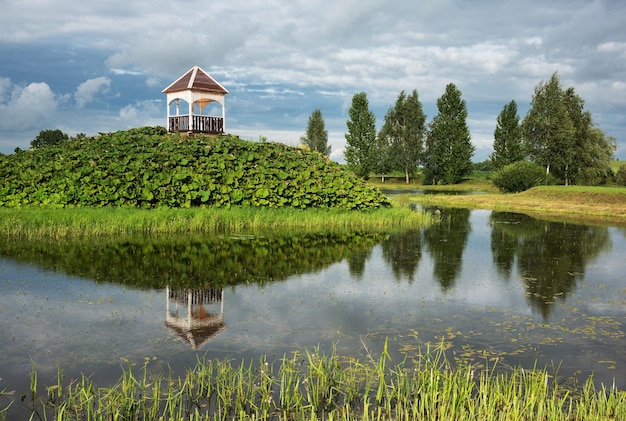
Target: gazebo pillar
pixel 223 118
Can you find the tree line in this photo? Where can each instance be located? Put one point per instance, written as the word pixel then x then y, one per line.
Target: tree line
pixel 557 133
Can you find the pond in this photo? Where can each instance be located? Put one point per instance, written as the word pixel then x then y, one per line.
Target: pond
pixel 488 285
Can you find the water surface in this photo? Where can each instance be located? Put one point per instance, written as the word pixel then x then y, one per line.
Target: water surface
pixel 487 284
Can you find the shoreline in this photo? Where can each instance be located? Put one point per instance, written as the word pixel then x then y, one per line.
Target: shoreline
pixel 582 204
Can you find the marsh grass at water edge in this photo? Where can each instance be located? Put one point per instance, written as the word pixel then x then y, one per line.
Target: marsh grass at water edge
pixel 316 385
pixel 36 222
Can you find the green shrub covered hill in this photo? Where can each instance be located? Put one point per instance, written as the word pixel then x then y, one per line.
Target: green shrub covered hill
pixel 147 167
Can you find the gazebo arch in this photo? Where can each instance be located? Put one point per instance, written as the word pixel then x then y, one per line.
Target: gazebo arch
pixel 195 87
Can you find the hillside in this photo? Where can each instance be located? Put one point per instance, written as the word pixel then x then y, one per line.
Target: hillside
pixel 147 168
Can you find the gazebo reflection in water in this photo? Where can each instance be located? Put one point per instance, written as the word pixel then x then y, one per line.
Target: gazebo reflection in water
pixel 201 321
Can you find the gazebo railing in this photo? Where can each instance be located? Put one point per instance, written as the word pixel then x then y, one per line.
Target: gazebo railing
pixel 199 123
pixel 179 123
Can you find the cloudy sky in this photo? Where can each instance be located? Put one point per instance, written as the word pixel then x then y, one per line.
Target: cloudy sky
pixel 100 66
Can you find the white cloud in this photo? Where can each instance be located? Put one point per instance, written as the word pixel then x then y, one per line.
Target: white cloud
pixel 540 67
pixel 25 108
pixel 126 72
pixel 153 82
pixel 143 113
pixel 613 47
pixel 87 90
pixel 534 41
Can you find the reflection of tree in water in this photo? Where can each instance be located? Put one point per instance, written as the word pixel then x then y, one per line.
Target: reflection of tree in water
pixel 403 253
pixel 191 262
pixel 551 256
pixel 446 242
pixel 356 263
pixel 507 231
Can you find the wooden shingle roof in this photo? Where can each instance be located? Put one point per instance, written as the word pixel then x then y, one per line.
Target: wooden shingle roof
pixel 196 79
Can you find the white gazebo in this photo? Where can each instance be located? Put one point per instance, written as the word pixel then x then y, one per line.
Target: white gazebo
pixel 197 89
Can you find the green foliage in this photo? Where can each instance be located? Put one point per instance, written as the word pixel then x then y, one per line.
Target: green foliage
pixel 486 165
pixel 548 128
pixel 402 136
pixel 519 176
pixel 361 137
pixel 147 168
pixel 562 137
pixel 316 137
pixel 48 138
pixel 448 156
pixel 620 177
pixel 507 144
pixel 594 158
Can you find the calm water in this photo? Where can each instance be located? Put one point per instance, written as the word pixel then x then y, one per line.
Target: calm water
pixel 488 284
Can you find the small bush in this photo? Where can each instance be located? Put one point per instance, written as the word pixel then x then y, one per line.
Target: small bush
pixel 620 177
pixel 519 176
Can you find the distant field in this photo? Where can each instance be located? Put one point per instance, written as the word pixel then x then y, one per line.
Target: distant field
pixel 597 203
pixel 616 164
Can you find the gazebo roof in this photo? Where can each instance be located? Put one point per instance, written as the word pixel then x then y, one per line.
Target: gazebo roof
pixel 199 335
pixel 196 79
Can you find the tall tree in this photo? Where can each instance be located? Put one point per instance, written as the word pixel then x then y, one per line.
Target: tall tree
pixel 316 137
pixel 560 135
pixel 48 137
pixel 507 143
pixel 593 149
pixel 549 130
pixel 403 131
pixel 361 136
pixel 449 149
pixel 382 156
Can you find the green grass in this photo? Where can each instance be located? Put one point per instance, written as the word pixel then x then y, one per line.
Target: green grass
pixel 593 203
pixel 35 222
pixel 314 385
pixel 616 164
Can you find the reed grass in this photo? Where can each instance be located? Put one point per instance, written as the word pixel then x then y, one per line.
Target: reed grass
pixel 36 223
pixel 314 385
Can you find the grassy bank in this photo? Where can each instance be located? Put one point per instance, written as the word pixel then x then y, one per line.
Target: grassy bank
pixel 35 222
pixel 313 385
pixel 606 204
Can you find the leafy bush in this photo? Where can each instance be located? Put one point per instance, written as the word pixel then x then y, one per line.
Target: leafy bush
pixel 518 177
pixel 620 177
pixel 146 167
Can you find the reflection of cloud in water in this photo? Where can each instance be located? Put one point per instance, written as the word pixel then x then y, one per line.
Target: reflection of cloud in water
pixel 476 286
pixel 71 319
